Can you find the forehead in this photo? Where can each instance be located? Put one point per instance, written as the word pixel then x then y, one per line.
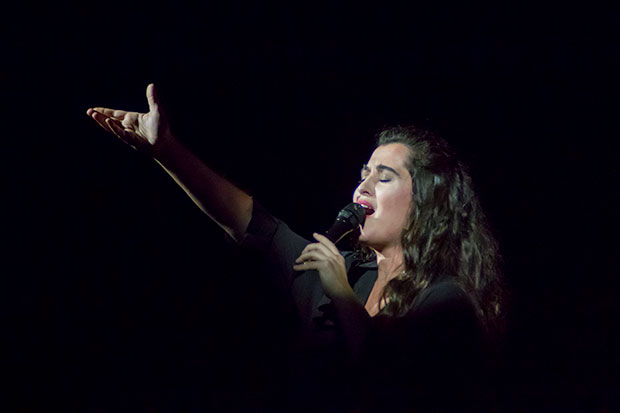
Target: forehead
pixel 394 155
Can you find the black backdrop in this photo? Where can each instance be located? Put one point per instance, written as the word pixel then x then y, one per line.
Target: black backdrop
pixel 117 291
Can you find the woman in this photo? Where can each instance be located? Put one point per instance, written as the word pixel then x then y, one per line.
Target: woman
pixel 405 320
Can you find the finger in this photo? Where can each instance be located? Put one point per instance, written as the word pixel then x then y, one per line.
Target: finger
pixel 128 119
pixel 115 127
pixel 125 130
pixel 151 97
pixel 112 113
pixel 317 247
pixel 308 265
pixel 311 255
pixel 101 120
pixel 323 240
pixel 115 113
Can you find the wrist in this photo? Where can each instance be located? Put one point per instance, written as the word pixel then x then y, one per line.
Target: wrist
pixel 164 148
pixel 345 294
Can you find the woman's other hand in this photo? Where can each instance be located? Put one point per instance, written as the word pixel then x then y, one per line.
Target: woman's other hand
pixel 324 257
pixel 147 132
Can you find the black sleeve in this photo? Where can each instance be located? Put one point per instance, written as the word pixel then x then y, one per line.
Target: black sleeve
pixel 275 248
pixel 275 243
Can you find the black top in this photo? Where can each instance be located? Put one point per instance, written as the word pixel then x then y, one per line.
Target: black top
pixel 432 356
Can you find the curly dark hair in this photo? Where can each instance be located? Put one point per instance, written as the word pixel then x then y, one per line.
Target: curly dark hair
pixel 447 233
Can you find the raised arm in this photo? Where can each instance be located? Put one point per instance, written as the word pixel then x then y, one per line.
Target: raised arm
pixel 226 204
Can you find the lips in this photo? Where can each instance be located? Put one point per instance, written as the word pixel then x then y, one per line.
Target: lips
pixel 367 206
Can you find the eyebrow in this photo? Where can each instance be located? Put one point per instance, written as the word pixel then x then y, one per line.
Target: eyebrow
pixel 381 168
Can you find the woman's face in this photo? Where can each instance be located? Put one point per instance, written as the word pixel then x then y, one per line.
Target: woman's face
pixel 386 188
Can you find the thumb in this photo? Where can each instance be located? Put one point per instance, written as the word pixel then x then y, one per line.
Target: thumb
pixel 151 97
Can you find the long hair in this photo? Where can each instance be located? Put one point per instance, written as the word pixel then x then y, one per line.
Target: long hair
pixel 447 233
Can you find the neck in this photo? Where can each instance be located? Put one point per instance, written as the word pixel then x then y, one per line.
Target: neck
pixel 389 263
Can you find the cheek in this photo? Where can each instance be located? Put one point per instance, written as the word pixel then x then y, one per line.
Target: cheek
pixel 399 204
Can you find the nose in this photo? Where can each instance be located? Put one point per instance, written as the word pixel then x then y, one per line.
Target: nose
pixel 366 187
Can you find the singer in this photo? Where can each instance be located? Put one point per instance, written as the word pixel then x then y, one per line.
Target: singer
pixel 408 320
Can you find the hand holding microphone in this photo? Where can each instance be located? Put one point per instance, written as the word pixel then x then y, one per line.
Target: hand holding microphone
pixel 324 257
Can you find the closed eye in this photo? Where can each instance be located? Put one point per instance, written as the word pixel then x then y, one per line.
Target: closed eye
pixel 384 170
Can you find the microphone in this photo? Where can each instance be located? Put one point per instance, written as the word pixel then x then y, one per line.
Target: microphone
pixel 349 219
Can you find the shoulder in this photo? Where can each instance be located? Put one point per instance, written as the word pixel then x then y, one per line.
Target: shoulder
pixel 444 311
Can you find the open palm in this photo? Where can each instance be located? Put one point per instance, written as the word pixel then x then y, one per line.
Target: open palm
pixel 143 131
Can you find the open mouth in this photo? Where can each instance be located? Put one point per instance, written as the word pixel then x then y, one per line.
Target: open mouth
pixel 368 209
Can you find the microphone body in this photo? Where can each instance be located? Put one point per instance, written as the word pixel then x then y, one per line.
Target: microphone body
pixel 349 219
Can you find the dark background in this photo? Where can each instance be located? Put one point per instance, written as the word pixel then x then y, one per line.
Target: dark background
pixel 117 292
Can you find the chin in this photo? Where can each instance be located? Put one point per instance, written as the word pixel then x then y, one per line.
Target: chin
pixel 365 242
pixel 367 236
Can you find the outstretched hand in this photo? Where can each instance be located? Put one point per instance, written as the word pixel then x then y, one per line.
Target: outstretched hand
pixel 324 257
pixel 146 132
